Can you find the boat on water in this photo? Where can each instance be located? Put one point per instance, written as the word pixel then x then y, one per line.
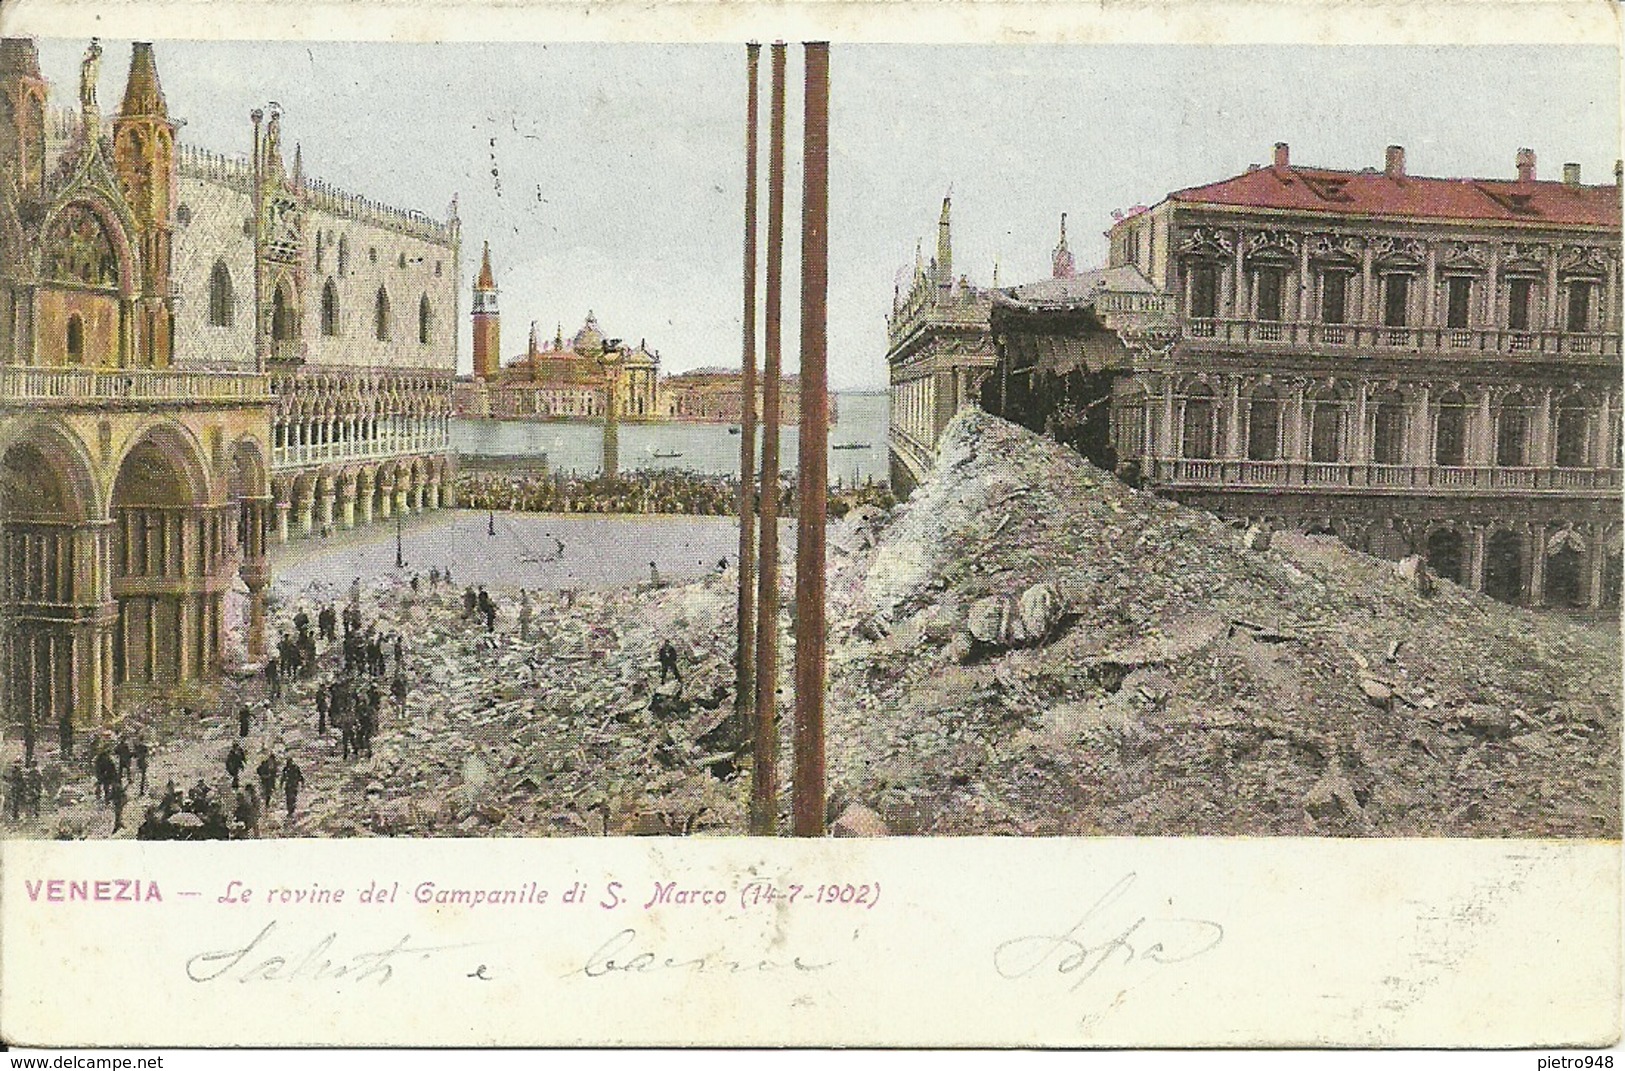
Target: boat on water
pixel 849 446
pixel 733 429
pixel 665 453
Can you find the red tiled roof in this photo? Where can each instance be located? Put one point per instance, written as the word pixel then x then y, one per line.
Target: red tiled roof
pixel 1375 193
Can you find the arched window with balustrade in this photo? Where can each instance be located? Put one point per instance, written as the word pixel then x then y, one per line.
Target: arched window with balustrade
pixel 1512 426
pixel 1573 424
pixel 1328 425
pixel 1387 409
pixel 1199 423
pixel 1264 425
pixel 1450 431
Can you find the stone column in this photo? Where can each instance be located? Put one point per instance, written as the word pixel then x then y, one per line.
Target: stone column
pixel 282 508
pixel 364 488
pixel 1483 439
pixel 1368 297
pixel 1430 297
pixel 1419 447
pixel 386 497
pixel 1536 591
pixel 306 509
pixel 1475 564
pixel 1165 434
pixel 1554 313
pixel 1234 447
pixel 402 495
pixel 1540 449
pixel 1359 437
pixel 1238 286
pixel 1596 557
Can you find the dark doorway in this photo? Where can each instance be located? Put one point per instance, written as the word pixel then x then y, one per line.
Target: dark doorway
pixel 1445 554
pixel 1503 567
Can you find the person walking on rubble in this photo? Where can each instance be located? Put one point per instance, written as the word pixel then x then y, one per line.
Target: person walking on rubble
pixel 668 662
pixel 236 759
pixel 118 797
pixel 142 754
pixel 292 778
pixel 267 770
pixel 123 753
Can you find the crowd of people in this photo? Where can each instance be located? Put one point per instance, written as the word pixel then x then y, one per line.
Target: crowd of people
pixel 656 491
pixel 660 491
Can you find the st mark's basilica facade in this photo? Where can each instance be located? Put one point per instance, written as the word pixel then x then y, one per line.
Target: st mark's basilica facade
pixel 199 354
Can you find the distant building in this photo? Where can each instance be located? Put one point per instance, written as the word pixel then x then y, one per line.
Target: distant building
pixel 938 351
pixel 717 396
pixel 1419 365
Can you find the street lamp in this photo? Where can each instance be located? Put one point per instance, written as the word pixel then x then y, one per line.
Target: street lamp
pixel 400 560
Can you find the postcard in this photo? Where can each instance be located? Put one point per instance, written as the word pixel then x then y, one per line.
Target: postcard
pixel 821 526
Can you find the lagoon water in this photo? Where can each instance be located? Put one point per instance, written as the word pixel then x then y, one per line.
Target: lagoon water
pixel 576 447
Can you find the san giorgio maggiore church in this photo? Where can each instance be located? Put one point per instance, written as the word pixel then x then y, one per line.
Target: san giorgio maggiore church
pixel 199 353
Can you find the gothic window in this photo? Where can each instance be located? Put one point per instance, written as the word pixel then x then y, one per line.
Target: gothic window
pixel 437 268
pixel 1268 281
pixel 1326 428
pixel 330 309
pixel 1264 426
pixel 76 339
pixel 79 250
pixel 1460 292
pixel 1395 292
pixel 319 245
pixel 1334 287
pixel 1450 437
pixel 1200 414
pixel 1388 428
pixel 380 315
pixel 281 315
pixel 1571 432
pixel 183 215
pixel 372 254
pixel 1204 290
pixel 1512 432
pixel 1518 292
pixel 220 298
pixel 1579 305
pixel 344 255
pixel 400 261
pixel 423 320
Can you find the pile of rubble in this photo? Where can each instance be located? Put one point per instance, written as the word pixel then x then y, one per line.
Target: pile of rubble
pixel 1030 646
pixel 568 731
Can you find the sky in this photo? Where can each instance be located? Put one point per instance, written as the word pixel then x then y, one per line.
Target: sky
pixel 610 177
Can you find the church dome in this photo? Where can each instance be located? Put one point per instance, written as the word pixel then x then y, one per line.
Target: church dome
pixel 590 339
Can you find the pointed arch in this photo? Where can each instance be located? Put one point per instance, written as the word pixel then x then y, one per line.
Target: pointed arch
pixel 221 302
pixel 380 314
pixel 330 309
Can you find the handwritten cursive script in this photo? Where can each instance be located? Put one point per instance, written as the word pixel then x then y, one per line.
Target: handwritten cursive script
pixel 625 954
pixel 1108 945
pixel 263 960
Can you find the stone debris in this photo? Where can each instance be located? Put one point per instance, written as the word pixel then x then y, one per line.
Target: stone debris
pixel 1192 685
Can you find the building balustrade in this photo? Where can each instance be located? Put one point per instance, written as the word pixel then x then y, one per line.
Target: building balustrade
pixel 112 386
pixel 1567 345
pixel 1230 472
pixel 385 446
